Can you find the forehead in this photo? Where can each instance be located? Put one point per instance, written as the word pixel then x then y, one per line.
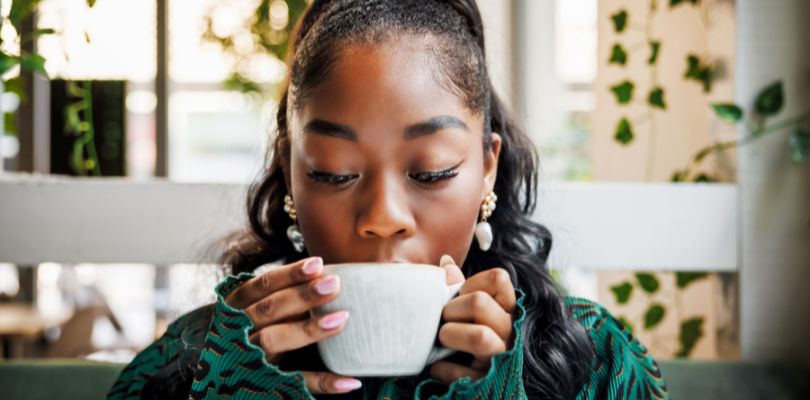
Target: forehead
pixel 380 85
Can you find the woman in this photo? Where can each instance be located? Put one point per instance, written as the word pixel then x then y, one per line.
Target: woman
pixel 392 146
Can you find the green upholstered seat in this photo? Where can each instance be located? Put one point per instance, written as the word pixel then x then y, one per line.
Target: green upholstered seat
pixel 75 379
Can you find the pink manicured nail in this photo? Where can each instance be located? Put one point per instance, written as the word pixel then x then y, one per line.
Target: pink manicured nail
pixel 312 266
pixel 327 285
pixel 446 259
pixel 333 320
pixel 348 384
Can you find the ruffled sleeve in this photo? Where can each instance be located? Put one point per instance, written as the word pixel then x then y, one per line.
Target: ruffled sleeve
pixel 504 380
pixel 232 366
pixel 182 334
pixel 622 367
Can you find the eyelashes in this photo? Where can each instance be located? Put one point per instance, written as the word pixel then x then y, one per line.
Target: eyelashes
pixel 432 177
pixel 331 179
pixel 426 178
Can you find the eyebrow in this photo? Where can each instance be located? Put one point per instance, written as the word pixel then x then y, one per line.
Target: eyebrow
pixel 426 127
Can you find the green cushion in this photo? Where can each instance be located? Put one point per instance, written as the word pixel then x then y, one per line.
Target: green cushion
pixel 56 379
pixel 76 379
pixel 738 380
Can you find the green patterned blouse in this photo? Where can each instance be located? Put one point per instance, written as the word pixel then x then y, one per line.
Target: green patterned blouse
pixel 231 366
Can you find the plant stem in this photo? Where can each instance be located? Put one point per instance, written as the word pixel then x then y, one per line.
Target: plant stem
pixel 784 124
pixel 653 82
pixel 754 134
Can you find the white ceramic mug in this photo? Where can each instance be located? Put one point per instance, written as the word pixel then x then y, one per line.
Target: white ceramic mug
pixel 394 313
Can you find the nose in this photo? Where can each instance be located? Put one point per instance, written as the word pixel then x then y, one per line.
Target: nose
pixel 384 211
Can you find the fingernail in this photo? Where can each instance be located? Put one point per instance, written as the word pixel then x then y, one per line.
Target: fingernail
pixel 327 285
pixel 333 320
pixel 312 266
pixel 446 260
pixel 348 384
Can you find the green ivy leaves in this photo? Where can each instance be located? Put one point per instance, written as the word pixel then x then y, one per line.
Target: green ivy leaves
pixel 683 279
pixel 618 55
pixel 33 63
pixel 19 12
pixel 673 3
pixel 770 100
pixel 698 71
pixel 7 62
pixel 619 21
pixel 622 292
pixel 624 132
pixel 28 62
pixel 655 46
pixel 653 316
pixel 691 331
pixel 656 98
pixel 623 91
pixel 648 282
pixel 729 112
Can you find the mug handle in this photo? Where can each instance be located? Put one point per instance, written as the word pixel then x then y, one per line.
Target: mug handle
pixel 438 353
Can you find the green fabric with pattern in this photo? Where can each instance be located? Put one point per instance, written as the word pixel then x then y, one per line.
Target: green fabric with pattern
pixel 231 366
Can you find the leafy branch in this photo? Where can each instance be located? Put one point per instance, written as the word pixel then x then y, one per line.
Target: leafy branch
pixel 266 31
pixel 655 99
pixel 767 104
pixel 20 13
pixel 691 329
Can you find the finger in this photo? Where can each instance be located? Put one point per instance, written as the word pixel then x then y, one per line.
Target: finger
pixel 448 372
pixel 480 308
pixel 326 383
pixel 453 273
pixel 478 340
pixel 292 301
pixel 280 338
pixel 497 283
pixel 274 280
pixel 481 364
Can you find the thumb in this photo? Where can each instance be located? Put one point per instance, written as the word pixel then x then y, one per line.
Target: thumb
pixel 453 273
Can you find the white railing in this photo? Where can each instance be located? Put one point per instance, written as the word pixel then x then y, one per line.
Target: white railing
pixel 617 226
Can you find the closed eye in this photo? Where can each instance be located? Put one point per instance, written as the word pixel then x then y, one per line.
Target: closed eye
pixel 328 179
pixel 430 178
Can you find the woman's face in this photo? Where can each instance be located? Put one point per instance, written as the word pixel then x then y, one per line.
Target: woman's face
pixel 386 164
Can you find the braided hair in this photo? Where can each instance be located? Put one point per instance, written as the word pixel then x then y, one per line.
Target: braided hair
pixel 557 350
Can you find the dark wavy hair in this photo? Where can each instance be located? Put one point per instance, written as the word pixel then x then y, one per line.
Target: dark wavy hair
pixel 558 352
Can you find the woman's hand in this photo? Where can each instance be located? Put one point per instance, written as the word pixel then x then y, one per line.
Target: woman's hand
pixel 478 321
pixel 278 302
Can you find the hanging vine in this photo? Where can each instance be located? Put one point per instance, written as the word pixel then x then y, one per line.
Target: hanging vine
pixel 696 69
pixel 79 124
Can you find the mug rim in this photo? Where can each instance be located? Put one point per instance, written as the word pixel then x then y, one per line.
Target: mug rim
pixel 351 265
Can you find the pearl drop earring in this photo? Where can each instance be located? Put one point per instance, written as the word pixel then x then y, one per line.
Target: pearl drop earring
pixel 293 233
pixel 483 230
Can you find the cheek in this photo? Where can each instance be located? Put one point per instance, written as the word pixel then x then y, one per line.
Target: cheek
pixel 327 227
pixel 447 220
pixel 325 218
